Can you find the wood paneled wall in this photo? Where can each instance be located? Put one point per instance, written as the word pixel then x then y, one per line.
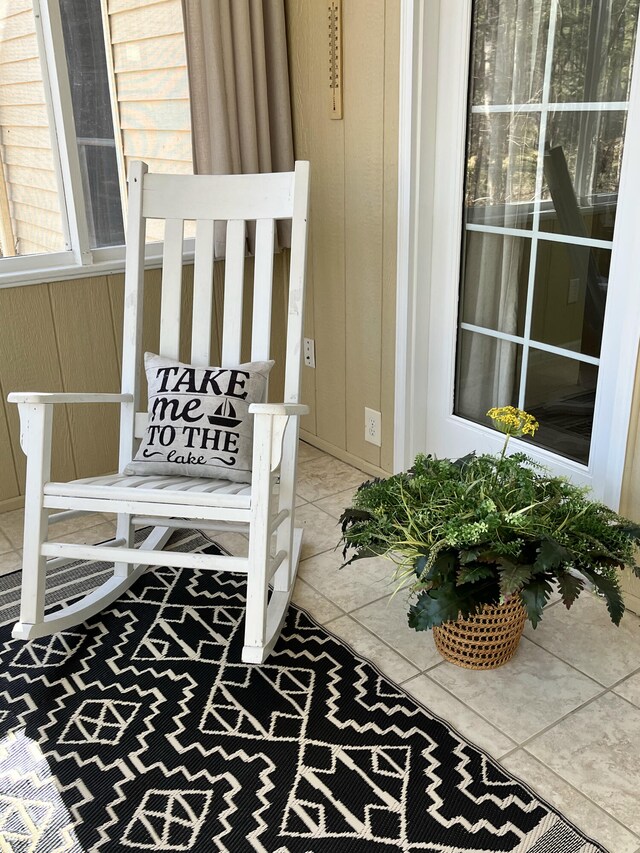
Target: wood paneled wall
pixel 67 336
pixel 353 220
pixel 630 499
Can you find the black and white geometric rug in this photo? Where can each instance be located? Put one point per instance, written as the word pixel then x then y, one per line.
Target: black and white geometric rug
pixel 142 731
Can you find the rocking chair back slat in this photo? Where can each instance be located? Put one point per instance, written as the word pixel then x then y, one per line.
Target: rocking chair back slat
pixel 233 293
pixel 202 293
pixel 230 196
pixel 262 290
pixel 171 303
pixel 297 270
pixel 132 327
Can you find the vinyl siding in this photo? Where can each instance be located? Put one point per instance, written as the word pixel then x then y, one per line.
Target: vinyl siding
pixel 25 139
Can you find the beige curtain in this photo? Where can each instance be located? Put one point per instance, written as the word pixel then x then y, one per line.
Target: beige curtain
pixel 239 89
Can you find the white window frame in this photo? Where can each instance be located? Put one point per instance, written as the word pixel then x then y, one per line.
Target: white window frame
pixel 433 111
pixel 78 259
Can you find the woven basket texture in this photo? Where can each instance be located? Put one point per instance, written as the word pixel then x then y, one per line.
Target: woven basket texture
pixel 484 641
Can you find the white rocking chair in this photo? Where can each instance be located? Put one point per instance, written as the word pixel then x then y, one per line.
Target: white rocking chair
pixel 265 507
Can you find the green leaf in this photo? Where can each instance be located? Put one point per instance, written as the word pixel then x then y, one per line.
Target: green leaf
pixel 471 574
pixel 433 607
pixel 361 554
pixel 442 569
pixel 513 576
pixel 570 587
pixel 612 594
pixel 352 515
pixel 463 461
pixel 420 563
pixel 534 596
pixel 631 529
pixel 551 555
pixel 467 556
pixel 444 566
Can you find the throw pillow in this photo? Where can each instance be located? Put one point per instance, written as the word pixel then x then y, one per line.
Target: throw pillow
pixel 199 425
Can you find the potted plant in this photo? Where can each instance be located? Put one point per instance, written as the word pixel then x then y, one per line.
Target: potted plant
pixel 482 542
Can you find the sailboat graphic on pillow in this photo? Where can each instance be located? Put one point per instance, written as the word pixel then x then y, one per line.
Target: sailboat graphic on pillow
pixel 224 416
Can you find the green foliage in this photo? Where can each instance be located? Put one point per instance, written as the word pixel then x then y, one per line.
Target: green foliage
pixel 482 529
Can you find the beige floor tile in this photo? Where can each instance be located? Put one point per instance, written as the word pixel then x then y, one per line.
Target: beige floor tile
pixel 388 619
pixel 326 476
pixel 524 696
pixel 351 587
pixel 336 504
pixel 10 562
pixel 630 689
pixel 235 543
pixel 307 452
pixel 89 536
pixel 586 638
pixel 5 545
pixel 368 645
pixel 592 820
pixel 597 750
pixel 321 531
pixel 467 722
pixel 316 604
pixel 11 525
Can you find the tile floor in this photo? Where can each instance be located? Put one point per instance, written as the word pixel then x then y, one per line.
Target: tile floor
pixel 564 715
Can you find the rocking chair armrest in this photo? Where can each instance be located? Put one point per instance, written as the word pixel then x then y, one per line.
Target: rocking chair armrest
pixel 270 428
pixel 62 397
pixel 281 409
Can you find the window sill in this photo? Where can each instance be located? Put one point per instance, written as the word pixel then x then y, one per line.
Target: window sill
pixel 104 262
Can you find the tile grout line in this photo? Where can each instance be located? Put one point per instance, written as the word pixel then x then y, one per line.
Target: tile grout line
pixel 578 791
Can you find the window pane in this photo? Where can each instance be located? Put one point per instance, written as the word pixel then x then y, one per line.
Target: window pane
pixel 507 63
pixel 86 62
pixel 593 50
pixel 561 394
pixel 502 157
pixel 582 163
pixel 30 212
pixel 494 290
pixel 488 375
pixel 570 296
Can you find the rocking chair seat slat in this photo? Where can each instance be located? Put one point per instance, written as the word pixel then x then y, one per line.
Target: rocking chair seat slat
pixel 202 491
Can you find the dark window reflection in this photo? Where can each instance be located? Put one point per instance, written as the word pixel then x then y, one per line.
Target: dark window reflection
pixel 86 62
pixel 570 296
pixel 561 394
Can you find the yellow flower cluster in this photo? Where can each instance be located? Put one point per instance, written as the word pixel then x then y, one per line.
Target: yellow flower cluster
pixel 512 421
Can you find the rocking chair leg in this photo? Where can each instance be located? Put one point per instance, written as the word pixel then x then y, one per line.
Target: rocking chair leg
pixel 124 531
pixel 36 517
pixel 284 577
pixel 255 632
pixel 284 542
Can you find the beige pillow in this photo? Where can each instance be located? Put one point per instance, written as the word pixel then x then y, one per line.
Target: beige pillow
pixel 199 425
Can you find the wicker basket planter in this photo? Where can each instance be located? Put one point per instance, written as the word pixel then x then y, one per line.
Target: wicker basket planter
pixel 484 641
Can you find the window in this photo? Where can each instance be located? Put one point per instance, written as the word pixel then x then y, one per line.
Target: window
pixel 89 85
pixel 547 115
pixel 85 87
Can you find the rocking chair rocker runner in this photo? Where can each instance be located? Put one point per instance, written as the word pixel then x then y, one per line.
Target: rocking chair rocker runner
pixel 265 506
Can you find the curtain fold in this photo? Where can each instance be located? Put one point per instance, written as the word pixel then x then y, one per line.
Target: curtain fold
pixel 239 90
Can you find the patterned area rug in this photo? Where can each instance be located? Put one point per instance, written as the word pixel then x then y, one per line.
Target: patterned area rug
pixel 144 731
